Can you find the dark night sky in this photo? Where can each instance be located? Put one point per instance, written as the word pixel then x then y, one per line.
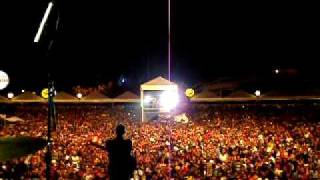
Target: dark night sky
pixel 130 38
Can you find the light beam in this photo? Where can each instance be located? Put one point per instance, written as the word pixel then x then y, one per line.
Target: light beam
pixel 43 22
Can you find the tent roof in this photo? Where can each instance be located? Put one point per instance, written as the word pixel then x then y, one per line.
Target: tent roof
pixel 64 96
pixel 275 93
pixel 315 93
pixel 159 81
pixel 287 93
pixel 241 94
pixel 127 95
pixel 3 99
pixel 312 92
pixel 206 94
pixel 95 95
pixel 28 97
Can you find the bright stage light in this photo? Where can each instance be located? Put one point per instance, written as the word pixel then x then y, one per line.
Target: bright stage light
pixel 257 93
pixel 147 99
pixel 79 95
pixel 10 95
pixel 169 99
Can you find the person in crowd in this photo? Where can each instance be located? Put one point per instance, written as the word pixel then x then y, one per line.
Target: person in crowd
pixel 121 163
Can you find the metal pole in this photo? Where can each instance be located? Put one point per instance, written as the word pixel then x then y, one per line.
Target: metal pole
pixel 169 40
pixel 141 104
pixel 50 113
pixel 51 109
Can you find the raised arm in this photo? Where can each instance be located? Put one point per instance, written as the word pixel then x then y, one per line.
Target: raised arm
pixel 101 146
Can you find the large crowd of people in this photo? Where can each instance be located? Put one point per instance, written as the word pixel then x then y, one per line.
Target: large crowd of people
pixel 223 143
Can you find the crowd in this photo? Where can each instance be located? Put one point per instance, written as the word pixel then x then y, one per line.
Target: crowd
pixel 215 144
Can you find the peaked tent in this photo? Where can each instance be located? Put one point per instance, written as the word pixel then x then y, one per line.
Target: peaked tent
pixel 96 97
pixel 127 97
pixel 282 93
pixel 241 94
pixel 3 99
pixel 159 83
pixel 277 95
pixel 205 96
pixel 65 98
pixel 28 97
pixel 313 94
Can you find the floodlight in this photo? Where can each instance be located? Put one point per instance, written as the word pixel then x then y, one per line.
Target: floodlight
pixel 169 99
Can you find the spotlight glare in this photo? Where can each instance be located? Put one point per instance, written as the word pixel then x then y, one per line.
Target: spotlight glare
pixel 43 22
pixel 169 100
pixel 79 95
pixel 257 93
pixel 10 95
pixel 147 99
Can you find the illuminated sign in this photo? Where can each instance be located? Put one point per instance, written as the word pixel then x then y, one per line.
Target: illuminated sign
pixel 4 80
pixel 189 92
pixel 45 93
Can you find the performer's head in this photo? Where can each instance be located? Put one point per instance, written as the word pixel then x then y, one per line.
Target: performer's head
pixel 120 130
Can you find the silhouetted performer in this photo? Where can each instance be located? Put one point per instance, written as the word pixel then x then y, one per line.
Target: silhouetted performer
pixel 121 163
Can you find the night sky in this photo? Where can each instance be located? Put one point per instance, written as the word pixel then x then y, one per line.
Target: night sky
pixel 98 41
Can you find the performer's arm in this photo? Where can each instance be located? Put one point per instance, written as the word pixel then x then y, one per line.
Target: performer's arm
pixel 103 146
pixel 130 145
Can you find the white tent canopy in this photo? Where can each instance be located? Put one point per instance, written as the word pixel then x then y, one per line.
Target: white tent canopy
pixel 159 83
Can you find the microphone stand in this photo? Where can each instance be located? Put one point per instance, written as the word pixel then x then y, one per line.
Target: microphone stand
pixel 51 90
pixel 51 126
